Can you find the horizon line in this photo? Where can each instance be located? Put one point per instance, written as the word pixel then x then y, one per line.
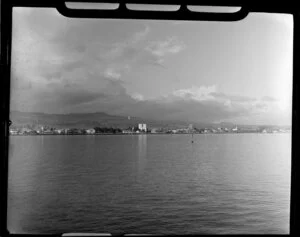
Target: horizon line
pixel 210 123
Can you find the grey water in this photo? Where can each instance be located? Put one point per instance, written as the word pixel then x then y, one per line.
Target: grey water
pixel 150 184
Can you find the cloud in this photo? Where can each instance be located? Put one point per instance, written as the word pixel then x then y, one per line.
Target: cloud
pixel 70 94
pixel 111 73
pixel 140 35
pixel 71 65
pixel 54 46
pixel 126 49
pixel 74 50
pixel 195 93
pixel 137 96
pixel 234 98
pixel 168 46
pixel 77 97
pixel 206 103
pixel 61 64
pixel 195 104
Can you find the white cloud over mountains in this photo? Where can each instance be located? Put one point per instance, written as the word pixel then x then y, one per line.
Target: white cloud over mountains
pixel 82 66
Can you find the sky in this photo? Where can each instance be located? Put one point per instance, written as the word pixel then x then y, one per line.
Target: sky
pixel 238 72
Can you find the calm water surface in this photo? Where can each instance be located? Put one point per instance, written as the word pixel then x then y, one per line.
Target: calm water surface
pixel 220 184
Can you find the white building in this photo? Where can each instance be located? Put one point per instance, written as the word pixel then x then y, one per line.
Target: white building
pixel 13 131
pixel 90 131
pixel 142 127
pixel 58 131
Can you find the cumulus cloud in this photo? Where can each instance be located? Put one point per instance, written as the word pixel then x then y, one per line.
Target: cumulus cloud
pixel 62 65
pixel 197 104
pixel 206 103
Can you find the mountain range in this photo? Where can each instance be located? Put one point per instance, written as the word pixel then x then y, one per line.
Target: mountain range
pixel 100 119
pixel 86 120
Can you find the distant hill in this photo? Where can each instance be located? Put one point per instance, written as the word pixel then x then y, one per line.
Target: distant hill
pixel 100 119
pixel 85 120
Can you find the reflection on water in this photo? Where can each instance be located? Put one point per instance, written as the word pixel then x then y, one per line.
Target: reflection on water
pixel 142 152
pixel 155 184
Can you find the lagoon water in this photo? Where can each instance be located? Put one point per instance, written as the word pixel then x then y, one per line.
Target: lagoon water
pixel 151 184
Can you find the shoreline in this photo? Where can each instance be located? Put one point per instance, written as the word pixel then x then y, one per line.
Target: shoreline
pixel 138 134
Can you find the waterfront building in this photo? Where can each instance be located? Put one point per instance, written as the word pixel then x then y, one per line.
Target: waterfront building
pixel 142 127
pixel 25 130
pixel 72 131
pixel 13 131
pixel 90 131
pixel 58 131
